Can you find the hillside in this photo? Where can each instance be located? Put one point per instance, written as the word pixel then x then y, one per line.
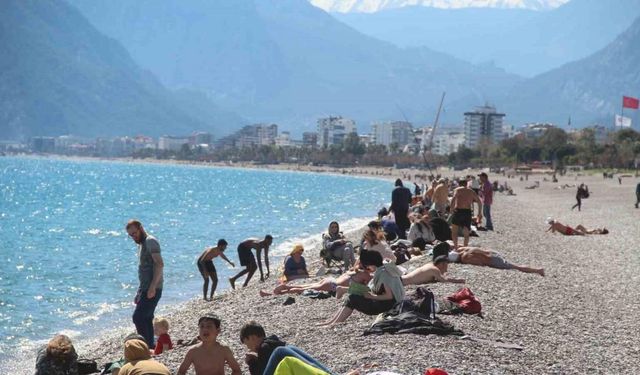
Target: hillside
pixel 59 75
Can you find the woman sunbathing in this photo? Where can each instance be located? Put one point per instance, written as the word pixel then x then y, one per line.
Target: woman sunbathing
pixel 328 284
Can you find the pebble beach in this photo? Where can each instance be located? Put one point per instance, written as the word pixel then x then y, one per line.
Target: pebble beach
pixel 580 318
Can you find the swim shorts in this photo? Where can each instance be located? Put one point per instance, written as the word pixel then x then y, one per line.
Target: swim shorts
pixel 206 266
pixel 462 217
pixel 245 255
pixel 569 231
pixel 497 261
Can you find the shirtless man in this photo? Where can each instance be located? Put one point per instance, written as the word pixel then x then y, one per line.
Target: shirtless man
pixel 580 230
pixel 477 256
pixel 431 273
pixel 556 226
pixel 249 261
pixel 461 203
pixel 208 270
pixel 441 196
pixel 209 357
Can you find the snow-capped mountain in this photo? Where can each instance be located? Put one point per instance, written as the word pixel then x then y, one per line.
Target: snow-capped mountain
pixel 372 6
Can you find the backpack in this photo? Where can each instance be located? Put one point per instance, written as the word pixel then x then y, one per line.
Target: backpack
pixel 425 302
pixel 466 301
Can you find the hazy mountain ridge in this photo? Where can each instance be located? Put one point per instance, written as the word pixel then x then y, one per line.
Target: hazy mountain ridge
pixel 588 89
pixel 372 6
pixel 58 75
pixel 521 41
pixel 296 62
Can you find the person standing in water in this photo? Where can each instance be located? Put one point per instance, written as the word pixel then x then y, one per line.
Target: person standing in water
pixel 208 269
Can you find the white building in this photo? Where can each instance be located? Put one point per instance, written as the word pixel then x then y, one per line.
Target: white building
pixel 448 142
pixel 484 125
pixel 284 139
pixel 536 130
pixel 398 132
pixel 333 130
pixel 172 143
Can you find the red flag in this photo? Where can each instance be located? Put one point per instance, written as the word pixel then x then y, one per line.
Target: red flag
pixel 629 102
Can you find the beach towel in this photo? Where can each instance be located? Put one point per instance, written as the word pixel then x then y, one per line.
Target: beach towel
pixel 411 322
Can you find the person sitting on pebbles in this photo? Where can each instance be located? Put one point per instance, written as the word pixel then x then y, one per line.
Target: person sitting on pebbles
pixel 477 256
pixel 295 266
pixel 580 230
pixel 386 291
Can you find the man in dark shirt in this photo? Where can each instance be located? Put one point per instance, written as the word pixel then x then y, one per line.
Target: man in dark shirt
pixel 400 200
pixel 267 352
pixel 637 194
pixel 150 276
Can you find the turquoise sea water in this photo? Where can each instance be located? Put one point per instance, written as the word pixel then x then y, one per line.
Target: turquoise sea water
pixel 67 265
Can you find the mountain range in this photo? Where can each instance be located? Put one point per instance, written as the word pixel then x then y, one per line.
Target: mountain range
pixel 372 6
pixel 59 75
pixel 588 90
pixel 520 41
pixel 286 60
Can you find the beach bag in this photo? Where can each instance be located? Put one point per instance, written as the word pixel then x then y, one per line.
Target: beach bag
pixel 425 302
pixel 87 366
pixel 466 301
pixel 441 229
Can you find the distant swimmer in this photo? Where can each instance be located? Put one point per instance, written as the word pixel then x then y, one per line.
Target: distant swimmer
pixel 461 204
pixel 477 256
pixel 208 270
pixel 248 261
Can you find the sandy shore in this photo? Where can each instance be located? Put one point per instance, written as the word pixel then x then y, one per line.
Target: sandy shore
pixel 580 318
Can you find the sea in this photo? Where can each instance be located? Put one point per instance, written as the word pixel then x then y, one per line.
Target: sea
pixel 68 266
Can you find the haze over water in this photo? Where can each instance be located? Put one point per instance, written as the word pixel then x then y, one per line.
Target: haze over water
pixel 66 263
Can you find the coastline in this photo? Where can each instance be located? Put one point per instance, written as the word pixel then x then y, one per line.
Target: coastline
pixel 554 318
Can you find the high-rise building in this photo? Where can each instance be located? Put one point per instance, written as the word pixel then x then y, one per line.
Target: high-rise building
pixel 333 130
pixel 310 139
pixel 251 135
pixel 172 143
pixel 387 133
pixel 483 126
pixel 447 142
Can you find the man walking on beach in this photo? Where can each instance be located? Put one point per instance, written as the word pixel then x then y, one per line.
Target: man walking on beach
pixel 441 196
pixel 400 201
pixel 637 194
pixel 461 205
pixel 486 193
pixel 150 268
pixel 248 261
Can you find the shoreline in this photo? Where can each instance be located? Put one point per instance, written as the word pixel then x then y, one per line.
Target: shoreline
pixel 529 321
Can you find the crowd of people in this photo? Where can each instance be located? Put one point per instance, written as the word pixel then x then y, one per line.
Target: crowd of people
pixel 370 278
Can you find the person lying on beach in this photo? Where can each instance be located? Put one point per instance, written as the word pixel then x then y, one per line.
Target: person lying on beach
pixel 477 256
pixel 209 357
pixel 248 261
pixel 579 230
pixel 431 273
pixel 295 266
pixel 461 204
pixel 335 242
pixel 387 290
pixel 208 269
pixel 328 284
pixel 374 241
pixel 266 353
pixel 138 360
